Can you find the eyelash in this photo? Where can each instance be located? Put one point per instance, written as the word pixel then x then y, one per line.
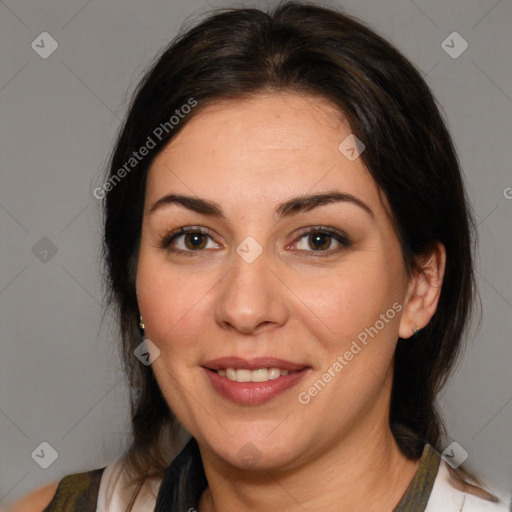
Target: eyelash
pixel 166 240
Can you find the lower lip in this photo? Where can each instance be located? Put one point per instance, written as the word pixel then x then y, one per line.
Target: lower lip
pixel 253 393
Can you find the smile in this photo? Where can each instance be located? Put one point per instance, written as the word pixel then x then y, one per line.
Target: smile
pixel 258 375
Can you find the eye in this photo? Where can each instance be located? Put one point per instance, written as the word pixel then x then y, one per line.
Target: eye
pixel 194 239
pixel 321 239
pixel 187 240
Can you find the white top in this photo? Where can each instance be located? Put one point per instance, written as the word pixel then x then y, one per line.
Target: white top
pixel 115 496
pixel 445 498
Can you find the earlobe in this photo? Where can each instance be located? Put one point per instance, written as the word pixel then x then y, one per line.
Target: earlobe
pixel 424 291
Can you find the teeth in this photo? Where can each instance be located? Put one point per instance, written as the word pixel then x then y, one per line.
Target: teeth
pixel 274 373
pixel 259 375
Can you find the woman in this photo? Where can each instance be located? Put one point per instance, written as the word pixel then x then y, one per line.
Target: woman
pixel 287 229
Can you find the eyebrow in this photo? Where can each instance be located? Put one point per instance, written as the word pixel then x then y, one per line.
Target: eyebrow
pixel 290 207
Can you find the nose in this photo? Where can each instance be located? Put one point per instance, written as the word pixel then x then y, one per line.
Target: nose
pixel 252 298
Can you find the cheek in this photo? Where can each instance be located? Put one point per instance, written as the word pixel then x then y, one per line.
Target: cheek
pixel 346 302
pixel 356 320
pixel 173 303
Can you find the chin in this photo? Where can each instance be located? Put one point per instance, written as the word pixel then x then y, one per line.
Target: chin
pixel 258 451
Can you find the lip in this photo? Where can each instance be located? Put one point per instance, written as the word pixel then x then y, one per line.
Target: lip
pixel 253 393
pixel 252 364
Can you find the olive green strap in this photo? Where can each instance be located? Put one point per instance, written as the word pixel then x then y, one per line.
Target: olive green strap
pixel 77 493
pixel 418 493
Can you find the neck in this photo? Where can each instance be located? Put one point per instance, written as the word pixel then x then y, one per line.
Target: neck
pixel 364 471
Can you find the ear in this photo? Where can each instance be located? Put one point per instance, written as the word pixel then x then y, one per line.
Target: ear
pixel 423 291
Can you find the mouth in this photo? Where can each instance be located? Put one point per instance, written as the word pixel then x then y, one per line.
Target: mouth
pixel 258 375
pixel 253 381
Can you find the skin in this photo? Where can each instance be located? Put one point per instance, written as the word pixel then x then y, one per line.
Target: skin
pixel 249 156
pixel 35 501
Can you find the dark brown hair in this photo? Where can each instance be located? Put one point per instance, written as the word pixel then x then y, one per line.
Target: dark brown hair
pixel 317 51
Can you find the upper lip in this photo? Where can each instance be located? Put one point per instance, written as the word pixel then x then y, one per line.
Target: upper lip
pixel 252 364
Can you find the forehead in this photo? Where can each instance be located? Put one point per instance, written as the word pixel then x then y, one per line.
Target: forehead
pixel 260 150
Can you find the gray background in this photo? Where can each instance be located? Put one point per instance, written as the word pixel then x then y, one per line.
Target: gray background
pixel 60 377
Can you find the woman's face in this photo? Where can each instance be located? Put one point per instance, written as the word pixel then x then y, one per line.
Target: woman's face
pixel 317 286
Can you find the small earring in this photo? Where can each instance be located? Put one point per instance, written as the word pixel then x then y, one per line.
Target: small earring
pixel 141 325
pixel 416 330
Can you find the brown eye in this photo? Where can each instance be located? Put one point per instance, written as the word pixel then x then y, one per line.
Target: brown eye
pixel 321 241
pixel 188 240
pixel 194 241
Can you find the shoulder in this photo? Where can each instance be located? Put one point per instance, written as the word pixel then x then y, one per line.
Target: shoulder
pixel 78 491
pixel 107 489
pixel 452 494
pixel 118 491
pixel 36 500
